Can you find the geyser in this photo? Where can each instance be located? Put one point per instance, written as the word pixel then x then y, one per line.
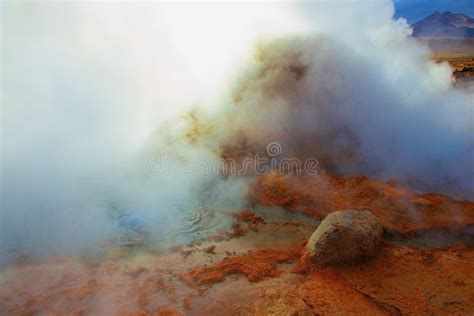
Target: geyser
pixel 84 85
pixel 358 113
pixel 85 98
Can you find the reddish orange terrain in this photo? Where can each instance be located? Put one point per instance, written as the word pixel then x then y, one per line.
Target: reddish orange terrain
pixel 256 269
pixel 402 279
pixel 398 208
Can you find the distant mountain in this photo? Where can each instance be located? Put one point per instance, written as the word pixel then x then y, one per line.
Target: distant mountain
pixel 445 24
pixel 415 10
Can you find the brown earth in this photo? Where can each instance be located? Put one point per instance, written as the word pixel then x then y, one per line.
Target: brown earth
pixel 401 280
pixel 259 271
pixel 458 52
pixel 398 208
pixel 463 66
pixel 255 266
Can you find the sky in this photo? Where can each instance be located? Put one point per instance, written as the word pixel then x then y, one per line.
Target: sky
pixel 416 10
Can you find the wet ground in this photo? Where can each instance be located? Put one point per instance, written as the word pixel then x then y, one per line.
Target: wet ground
pixel 129 278
pixel 228 263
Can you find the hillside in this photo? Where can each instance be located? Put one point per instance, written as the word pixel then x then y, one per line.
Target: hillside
pixel 445 24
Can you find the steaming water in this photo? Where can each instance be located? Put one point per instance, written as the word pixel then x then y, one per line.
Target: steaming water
pixel 143 230
pixel 180 224
pixel 152 231
pixel 82 93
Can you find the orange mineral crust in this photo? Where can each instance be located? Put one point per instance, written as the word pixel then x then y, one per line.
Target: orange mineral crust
pixel 401 280
pixel 397 207
pixel 255 266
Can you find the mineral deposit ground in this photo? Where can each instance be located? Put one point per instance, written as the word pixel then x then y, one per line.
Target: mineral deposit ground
pixel 257 268
pixel 133 136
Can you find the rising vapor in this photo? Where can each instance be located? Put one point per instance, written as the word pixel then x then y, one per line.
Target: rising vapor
pixel 89 100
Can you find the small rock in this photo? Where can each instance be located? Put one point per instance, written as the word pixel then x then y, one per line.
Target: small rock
pixel 344 237
pixel 210 249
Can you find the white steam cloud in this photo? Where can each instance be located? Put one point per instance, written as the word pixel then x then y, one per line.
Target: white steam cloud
pixel 86 86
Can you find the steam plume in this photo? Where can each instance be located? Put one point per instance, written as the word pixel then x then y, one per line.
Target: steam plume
pixel 85 97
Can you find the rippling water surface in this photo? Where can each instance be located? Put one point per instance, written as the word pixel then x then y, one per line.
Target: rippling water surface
pixel 132 231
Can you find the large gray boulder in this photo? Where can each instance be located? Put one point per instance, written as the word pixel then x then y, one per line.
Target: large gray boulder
pixel 344 237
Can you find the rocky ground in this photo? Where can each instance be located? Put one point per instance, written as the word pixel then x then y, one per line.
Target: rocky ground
pixel 458 52
pixel 463 65
pixel 400 210
pixel 423 265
